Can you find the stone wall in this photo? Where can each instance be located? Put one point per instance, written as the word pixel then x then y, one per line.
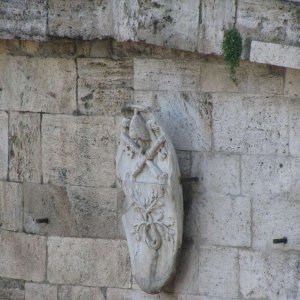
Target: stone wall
pixel 60 110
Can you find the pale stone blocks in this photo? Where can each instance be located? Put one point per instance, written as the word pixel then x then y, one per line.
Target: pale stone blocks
pixel 291 86
pixel 25 147
pixel 78 150
pixel 250 124
pixel 275 54
pixel 11 207
pixel 39 84
pixel 269 275
pixel 104 85
pixel 218 270
pixel 294 126
pixel 215 219
pixel 26 20
pixel 3 144
pixel 66 292
pixel 77 19
pixel 22 256
pixel 35 291
pixel 88 262
pixel 122 294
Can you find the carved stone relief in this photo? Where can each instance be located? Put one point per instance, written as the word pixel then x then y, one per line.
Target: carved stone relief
pixel 148 171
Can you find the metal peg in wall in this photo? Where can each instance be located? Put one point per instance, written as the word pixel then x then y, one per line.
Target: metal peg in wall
pixel 42 220
pixel 283 240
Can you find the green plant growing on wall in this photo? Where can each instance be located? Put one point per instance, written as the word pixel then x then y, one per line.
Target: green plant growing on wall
pixel 232 50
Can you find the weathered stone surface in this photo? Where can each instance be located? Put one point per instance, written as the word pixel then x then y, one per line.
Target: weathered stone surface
pixel 218 173
pixel 104 85
pixel 291 85
pixel 25 147
pixel 185 163
pixel 22 256
pixel 66 292
pixel 122 294
pixel 88 262
pixel 251 78
pixel 3 145
pixel 219 272
pixel 95 211
pixel 39 84
pixel 95 48
pixel 250 124
pixel 80 19
pixel 11 210
pixel 26 20
pixel 275 54
pixel 185 116
pixel 166 75
pixel 217 16
pixel 265 20
pixel 35 291
pixel 166 296
pixel 294 142
pixel 269 275
pixel 216 219
pixel 82 150
pixel 11 289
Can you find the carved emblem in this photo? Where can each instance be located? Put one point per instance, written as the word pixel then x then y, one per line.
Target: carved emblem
pixel 148 172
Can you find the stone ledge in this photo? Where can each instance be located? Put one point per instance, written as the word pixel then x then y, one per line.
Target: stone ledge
pixel 275 54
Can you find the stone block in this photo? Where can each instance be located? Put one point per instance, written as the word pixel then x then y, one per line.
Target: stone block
pixel 166 75
pixel 250 124
pixel 214 219
pixel 218 173
pixel 123 294
pixel 216 17
pixel 67 292
pixel 218 270
pixel 3 145
pixel 291 84
pixel 80 19
pixel 78 150
pixel 185 116
pixel 95 48
pixel 173 24
pixel 39 84
pixel 25 20
pixel 104 85
pixel 269 275
pixel 11 206
pixel 12 289
pixel 25 147
pixel 275 54
pixel 88 262
pixel 22 256
pixel 251 78
pixel 265 20
pixel 35 291
pixel 294 127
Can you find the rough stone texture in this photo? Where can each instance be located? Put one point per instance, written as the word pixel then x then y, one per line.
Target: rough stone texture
pixel 217 16
pixel 218 270
pixel 291 86
pixel 79 293
pixel 3 145
pixel 218 173
pixel 104 85
pixel 39 84
pixel 80 19
pixel 22 256
pixel 294 127
pixel 186 117
pixel 25 147
pixel 81 150
pixel 11 206
pixel 35 291
pixel 88 262
pixel 219 220
pixel 250 124
pixel 23 19
pixel 252 78
pixel 122 294
pixel 275 54
pixel 11 289
pixel 269 275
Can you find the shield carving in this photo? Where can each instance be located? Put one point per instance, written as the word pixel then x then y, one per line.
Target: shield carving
pixel 147 169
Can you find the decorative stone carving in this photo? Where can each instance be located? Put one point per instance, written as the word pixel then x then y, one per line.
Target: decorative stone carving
pixel 148 171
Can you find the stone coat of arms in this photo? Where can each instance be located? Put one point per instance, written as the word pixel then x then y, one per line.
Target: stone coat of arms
pixel 148 171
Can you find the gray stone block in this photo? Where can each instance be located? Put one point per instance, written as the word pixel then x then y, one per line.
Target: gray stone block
pixel 3 145
pixel 22 256
pixel 78 150
pixel 35 291
pixel 67 292
pixel 88 262
pixel 291 84
pixel 12 289
pixel 294 125
pixel 123 294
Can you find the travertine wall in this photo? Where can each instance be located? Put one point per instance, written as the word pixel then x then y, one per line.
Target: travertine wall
pixel 60 109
